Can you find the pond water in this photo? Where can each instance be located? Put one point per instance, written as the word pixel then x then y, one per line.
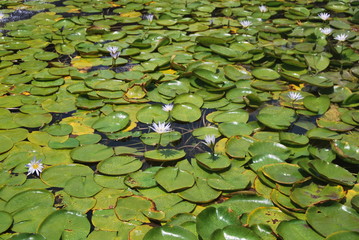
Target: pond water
pixel 139 119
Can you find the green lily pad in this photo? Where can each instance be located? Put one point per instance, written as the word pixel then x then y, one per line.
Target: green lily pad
pixel 189 98
pixel 322 153
pixel 200 192
pixel 209 77
pixel 267 215
pixel 347 151
pixel 283 173
pixel 240 116
pixel 319 81
pixel 6 144
pixel 309 193
pixel 230 129
pixel 57 176
pixel 59 129
pixel 319 105
pixel 16 135
pixel 28 219
pixel 323 134
pixel 277 149
pixel 34 236
pixel 332 217
pixel 349 235
pixel 113 122
pixel 32 120
pixel 172 179
pixel 317 62
pixel 163 139
pixel 82 186
pixel 246 202
pixel 66 224
pixel 237 146
pixel 119 165
pixel 284 117
pixel 186 112
pixel 28 199
pixel 169 233
pixel 211 219
pixel 229 180
pixel 132 208
pixel 91 153
pixel 333 172
pixel 152 113
pixel 297 230
pixel 266 74
pixel 5 221
pixel 142 179
pixel 234 232
pixel 69 143
pixel 212 161
pixel 293 139
pixel 261 160
pixel 163 155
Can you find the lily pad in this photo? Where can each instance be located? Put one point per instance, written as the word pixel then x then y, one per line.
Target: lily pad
pixel 119 165
pixel 212 161
pixel 284 117
pixel 219 218
pixel 200 192
pixel 266 74
pixel 309 193
pixel 112 123
pixel 82 186
pixel 297 230
pixel 164 155
pixel 66 224
pixel 172 179
pixel 283 173
pixel 6 221
pixel 186 112
pixel 333 172
pixel 348 152
pixel 332 217
pixel 91 153
pixel 169 233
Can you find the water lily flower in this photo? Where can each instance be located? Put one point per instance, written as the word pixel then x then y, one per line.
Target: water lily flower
pixel 295 96
pixel 341 37
pixel 209 140
pixel 167 107
pixel 149 17
pixel 35 166
pixel 113 51
pixel 245 23
pixel 2 15
pixel 263 8
pixel 326 31
pixel 324 16
pixel 161 127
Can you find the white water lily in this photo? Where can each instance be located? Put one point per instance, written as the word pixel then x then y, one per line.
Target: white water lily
pixel 167 107
pixel 161 127
pixel 295 96
pixel 341 37
pixel 149 17
pixel 2 15
pixel 324 16
pixel 326 31
pixel 263 8
pixel 210 140
pixel 113 51
pixel 245 23
pixel 35 166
